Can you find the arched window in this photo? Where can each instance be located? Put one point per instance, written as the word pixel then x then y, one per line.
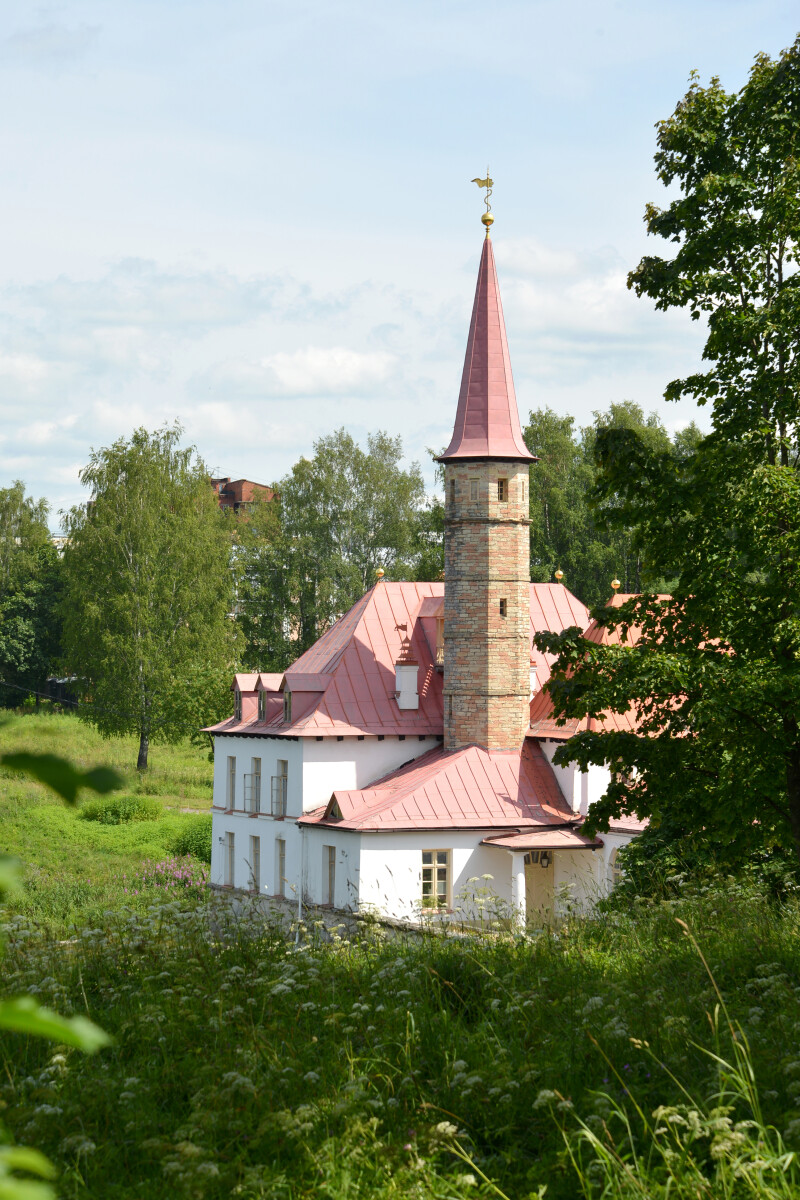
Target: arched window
pixel 615 871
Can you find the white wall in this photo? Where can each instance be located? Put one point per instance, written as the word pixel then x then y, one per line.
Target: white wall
pixel 391 869
pixel 331 765
pixel 580 789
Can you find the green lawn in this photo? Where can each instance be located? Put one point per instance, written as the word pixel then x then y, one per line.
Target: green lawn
pixel 75 869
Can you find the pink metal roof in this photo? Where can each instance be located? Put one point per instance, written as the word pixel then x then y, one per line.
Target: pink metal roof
pixel 543 723
pixel 347 679
pixel 544 839
pixel 487 421
pixel 470 788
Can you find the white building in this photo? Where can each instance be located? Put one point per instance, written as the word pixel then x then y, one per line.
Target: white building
pixel 402 765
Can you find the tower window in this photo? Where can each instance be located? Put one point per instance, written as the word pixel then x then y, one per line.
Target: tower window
pixel 473 489
pixel 504 608
pixel 502 489
pixel 452 491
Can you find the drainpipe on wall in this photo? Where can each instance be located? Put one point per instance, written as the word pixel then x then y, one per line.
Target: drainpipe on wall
pixel 300 883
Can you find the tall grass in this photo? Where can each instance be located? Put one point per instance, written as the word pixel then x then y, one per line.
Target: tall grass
pixel 246 1066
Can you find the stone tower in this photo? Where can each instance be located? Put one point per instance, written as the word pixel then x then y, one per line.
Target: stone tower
pixel 487 548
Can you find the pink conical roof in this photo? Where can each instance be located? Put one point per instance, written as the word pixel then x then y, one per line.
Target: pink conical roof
pixel 487 421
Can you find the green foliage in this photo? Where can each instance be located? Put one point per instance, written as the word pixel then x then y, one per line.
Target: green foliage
pixel 194 837
pixel 120 810
pixel 714 677
pixel 306 557
pixel 24 1014
pixel 31 581
pixel 148 592
pixel 569 530
pixel 60 775
pixel 359 1067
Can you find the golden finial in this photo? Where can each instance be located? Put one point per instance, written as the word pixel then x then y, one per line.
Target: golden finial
pixel 380 573
pixel 487 183
pixel 615 585
pixel 559 576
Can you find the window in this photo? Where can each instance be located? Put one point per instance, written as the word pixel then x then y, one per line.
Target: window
pixel 231 790
pixel 452 491
pixel 252 787
pixel 523 487
pixel 255 864
pixel 532 858
pixel 615 871
pixel 230 859
pixel 262 706
pixel 502 489
pixel 237 704
pixel 280 866
pixel 473 489
pixel 435 878
pixel 287 708
pixel 450 707
pixel 504 607
pixel 329 874
pixel 280 785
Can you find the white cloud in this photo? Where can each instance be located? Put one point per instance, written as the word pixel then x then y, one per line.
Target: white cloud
pixel 313 371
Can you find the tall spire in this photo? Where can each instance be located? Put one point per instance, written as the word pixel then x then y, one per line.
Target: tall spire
pixel 487 421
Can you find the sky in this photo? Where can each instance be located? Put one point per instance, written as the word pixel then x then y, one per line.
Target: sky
pixel 256 217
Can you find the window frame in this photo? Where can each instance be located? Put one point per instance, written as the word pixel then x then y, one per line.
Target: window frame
pixel 502 490
pixel 503 606
pixel 280 867
pixel 237 705
pixel 287 708
pixel 441 860
pixel 230 785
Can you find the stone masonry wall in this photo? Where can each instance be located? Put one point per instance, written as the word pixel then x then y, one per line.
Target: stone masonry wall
pixel 487 559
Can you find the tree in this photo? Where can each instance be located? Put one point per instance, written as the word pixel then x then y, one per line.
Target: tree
pixel 340 516
pixel 30 588
pixel 149 592
pixel 568 531
pixel 714 678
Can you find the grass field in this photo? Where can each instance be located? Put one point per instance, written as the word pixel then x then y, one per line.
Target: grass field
pixel 592 1061
pixel 75 869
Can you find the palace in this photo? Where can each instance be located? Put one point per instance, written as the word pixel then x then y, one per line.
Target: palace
pixel 403 765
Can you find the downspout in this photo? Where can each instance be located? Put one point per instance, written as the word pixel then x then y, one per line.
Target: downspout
pixel 300 884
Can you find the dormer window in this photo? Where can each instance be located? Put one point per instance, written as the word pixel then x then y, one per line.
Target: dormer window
pixel 237 705
pixel 287 708
pixel 262 706
pixel 502 490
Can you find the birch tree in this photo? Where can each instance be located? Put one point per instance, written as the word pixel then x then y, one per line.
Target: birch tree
pixel 148 595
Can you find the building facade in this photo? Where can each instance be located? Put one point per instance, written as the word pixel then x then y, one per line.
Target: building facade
pixel 403 764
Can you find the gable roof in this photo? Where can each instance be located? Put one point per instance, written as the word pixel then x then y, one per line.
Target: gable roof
pixel 344 685
pixel 470 788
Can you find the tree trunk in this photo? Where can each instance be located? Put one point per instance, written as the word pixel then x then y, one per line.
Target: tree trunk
pixel 144 744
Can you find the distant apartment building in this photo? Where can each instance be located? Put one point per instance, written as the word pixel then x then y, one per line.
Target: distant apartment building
pixel 238 494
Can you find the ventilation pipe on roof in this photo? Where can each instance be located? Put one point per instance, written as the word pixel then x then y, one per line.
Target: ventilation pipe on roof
pixel 406 670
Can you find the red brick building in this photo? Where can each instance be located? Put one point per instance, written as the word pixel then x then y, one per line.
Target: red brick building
pixel 237 494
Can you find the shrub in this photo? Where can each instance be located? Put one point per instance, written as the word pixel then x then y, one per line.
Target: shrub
pixel 194 837
pixel 120 810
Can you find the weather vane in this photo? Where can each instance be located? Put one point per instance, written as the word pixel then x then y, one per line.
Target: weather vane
pixel 487 183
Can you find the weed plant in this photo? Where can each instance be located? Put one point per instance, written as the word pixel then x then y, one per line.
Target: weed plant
pixel 120 810
pixel 245 1065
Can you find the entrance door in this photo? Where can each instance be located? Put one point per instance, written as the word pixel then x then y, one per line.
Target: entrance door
pixel 539 887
